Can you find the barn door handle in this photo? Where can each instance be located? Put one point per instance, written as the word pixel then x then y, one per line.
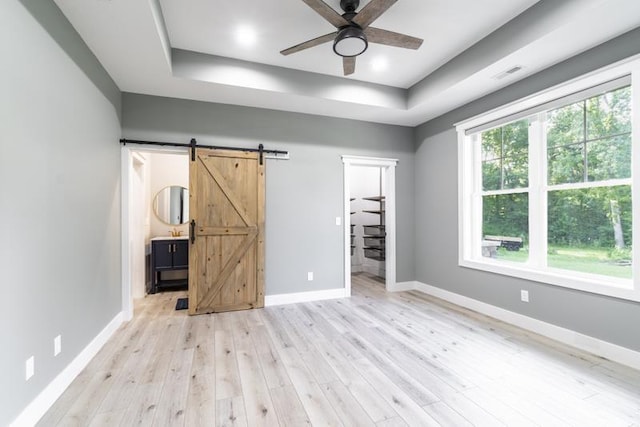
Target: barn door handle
pixel 192 231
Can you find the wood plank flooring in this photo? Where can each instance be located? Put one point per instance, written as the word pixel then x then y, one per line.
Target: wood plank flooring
pixel 376 359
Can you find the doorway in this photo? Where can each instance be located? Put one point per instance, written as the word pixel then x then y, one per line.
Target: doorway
pixel 145 172
pixel 369 212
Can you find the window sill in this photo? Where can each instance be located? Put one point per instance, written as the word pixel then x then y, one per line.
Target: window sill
pixel 601 285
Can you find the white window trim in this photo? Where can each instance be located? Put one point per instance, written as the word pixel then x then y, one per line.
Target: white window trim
pixel 470 193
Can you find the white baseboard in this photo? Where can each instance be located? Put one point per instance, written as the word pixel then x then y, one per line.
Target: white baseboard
pixel 402 286
pixel 280 299
pixel 47 397
pixel 593 345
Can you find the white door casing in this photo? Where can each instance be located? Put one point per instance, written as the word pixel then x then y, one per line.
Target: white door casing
pixel 388 167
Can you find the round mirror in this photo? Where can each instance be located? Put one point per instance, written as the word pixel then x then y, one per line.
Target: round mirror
pixel 171 205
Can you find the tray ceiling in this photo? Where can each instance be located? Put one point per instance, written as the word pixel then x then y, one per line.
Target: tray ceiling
pixel 228 52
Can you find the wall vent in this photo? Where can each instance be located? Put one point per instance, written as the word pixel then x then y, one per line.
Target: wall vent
pixel 508 72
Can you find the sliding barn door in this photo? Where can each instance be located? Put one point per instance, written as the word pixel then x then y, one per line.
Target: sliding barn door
pixel 226 254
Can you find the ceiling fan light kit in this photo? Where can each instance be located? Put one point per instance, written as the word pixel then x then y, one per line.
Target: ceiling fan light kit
pixel 350 41
pixel 353 33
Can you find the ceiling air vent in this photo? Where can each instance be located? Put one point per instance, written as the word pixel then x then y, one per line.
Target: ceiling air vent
pixel 507 73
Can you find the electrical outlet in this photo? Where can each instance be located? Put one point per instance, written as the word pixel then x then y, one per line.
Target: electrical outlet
pixel 338 220
pixel 524 296
pixel 310 276
pixel 30 368
pixel 57 345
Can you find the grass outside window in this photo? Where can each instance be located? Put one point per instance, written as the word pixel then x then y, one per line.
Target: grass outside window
pixel 592 260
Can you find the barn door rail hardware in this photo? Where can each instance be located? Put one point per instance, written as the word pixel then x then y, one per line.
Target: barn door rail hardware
pixel 193 144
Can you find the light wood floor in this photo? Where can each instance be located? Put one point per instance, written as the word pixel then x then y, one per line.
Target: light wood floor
pixel 374 359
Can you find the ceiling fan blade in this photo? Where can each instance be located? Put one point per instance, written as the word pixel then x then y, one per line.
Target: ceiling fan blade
pixel 389 38
pixel 372 11
pixel 327 12
pixel 349 65
pixel 310 43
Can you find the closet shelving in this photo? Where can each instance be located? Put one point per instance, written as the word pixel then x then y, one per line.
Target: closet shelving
pixel 353 236
pixel 374 234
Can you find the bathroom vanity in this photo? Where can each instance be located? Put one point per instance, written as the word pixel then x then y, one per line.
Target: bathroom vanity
pixel 169 254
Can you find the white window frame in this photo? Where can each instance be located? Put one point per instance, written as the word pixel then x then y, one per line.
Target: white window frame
pixel 470 191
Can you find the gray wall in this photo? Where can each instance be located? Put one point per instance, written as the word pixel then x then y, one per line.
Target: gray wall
pixel 60 198
pixel 436 205
pixel 304 194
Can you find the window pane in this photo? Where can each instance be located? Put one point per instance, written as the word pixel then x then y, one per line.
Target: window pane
pixel 505 226
pixel 589 230
pixel 491 175
pixel 566 164
pixel 565 125
pixel 492 144
pixel 607 120
pixel 609 158
pixel 516 173
pixel 609 114
pixel 515 138
pixel 505 159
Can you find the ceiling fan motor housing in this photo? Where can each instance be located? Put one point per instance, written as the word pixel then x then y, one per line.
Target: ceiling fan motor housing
pixel 349 6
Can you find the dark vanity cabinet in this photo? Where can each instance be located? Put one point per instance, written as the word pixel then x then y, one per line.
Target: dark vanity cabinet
pixel 169 255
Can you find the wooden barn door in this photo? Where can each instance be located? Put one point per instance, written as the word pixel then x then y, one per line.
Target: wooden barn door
pixel 226 254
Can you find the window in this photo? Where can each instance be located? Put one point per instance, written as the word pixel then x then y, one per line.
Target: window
pixel 505 198
pixel 546 190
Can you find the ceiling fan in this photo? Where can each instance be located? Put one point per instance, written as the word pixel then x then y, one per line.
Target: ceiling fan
pixel 353 33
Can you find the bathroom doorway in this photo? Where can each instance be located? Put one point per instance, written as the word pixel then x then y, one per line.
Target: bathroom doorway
pixel 146 173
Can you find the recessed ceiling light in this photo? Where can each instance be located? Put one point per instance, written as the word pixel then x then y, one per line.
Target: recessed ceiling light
pixel 246 36
pixel 379 64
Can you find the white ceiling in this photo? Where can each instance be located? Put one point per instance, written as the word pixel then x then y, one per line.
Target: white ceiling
pixel 210 27
pixel 189 49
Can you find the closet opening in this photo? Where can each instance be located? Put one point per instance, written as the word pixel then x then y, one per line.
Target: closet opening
pixel 369 222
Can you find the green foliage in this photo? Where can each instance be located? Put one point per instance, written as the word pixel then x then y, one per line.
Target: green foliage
pixel 505 160
pixel 566 164
pixel 506 215
pixel 583 217
pixel 620 254
pixel 609 114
